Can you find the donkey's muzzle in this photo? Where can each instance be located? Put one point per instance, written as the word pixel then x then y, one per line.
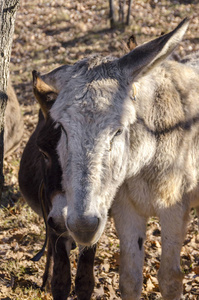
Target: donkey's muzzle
pixel 83 229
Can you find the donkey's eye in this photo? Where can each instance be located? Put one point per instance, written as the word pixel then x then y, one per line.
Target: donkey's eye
pixel 118 132
pixel 45 156
pixel 63 129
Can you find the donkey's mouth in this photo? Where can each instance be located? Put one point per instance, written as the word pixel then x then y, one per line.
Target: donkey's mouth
pixel 85 239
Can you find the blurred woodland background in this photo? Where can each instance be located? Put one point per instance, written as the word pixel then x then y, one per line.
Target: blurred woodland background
pixel 48 34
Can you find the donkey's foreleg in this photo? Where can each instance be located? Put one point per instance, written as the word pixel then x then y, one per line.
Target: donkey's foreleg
pixel 84 281
pixel 173 229
pixel 61 279
pixel 131 229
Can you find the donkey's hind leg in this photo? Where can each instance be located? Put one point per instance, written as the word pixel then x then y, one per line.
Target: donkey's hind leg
pixel 173 230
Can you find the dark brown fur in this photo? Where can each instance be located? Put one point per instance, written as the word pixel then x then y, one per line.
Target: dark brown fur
pixel 33 170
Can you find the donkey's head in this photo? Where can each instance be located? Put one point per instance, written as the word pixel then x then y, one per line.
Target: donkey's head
pixel 94 112
pixel 47 138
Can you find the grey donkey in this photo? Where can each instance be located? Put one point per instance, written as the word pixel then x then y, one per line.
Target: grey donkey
pixel 129 141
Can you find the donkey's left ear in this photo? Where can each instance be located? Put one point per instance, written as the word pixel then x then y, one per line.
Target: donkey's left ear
pixel 45 94
pixel 143 58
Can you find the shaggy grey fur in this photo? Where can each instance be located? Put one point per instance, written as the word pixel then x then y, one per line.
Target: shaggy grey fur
pixel 139 158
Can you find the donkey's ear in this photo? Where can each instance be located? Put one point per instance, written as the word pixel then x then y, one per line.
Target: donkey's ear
pixel 132 43
pixel 45 94
pixel 143 58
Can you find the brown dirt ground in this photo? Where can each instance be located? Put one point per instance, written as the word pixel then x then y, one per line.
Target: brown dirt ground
pixel 47 34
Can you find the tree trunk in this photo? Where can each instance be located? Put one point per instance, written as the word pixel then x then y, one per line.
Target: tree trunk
pixel 8 9
pixel 121 13
pixel 122 4
pixel 112 14
pixel 129 13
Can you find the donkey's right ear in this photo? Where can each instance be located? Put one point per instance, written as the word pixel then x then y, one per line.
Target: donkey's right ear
pixel 45 94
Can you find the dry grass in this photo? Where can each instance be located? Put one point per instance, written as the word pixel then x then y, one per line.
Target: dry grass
pixel 50 33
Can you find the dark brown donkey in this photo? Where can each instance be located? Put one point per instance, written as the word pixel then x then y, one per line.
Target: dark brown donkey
pixel 40 178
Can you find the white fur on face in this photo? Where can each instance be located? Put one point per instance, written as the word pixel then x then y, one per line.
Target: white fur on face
pixel 93 160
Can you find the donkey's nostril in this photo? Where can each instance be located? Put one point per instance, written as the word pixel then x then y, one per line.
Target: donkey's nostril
pixel 51 223
pixel 73 245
